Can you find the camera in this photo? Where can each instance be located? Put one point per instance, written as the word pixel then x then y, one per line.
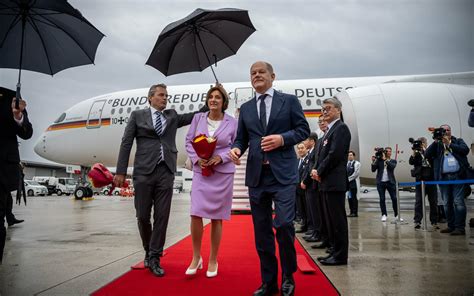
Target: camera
pixel 379 152
pixel 416 145
pixel 439 133
pixel 471 103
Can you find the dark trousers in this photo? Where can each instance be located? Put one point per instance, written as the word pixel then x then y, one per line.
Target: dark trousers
pixel 312 205
pixel 4 195
pixel 335 211
pixel 391 188
pixel 324 220
pixel 153 191
pixel 283 197
pixel 9 213
pixel 432 193
pixel 353 202
pixel 301 207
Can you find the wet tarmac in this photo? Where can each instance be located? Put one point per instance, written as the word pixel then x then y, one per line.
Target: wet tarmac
pixel 68 247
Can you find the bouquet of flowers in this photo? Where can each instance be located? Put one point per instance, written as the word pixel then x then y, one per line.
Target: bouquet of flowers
pixel 100 176
pixel 204 147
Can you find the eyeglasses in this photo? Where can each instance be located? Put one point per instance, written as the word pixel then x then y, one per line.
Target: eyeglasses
pixel 326 109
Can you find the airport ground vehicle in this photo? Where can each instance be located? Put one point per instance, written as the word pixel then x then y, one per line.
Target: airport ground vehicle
pixel 58 185
pixel 33 188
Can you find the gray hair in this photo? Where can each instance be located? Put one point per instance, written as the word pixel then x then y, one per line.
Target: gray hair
pixel 153 88
pixel 333 101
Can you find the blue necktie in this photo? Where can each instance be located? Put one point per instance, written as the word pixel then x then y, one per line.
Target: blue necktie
pixel 263 112
pixel 159 131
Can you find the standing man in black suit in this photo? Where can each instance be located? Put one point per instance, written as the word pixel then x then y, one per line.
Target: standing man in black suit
pixel 300 192
pixel 269 126
pixel 154 130
pixel 332 174
pixel 310 190
pixel 13 122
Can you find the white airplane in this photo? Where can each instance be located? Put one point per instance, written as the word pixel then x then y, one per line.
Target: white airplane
pixel 380 111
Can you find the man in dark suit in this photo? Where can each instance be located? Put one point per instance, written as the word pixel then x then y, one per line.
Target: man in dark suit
pixel 310 191
pixel 332 174
pixel 385 166
pixel 154 130
pixel 270 125
pixel 13 122
pixel 300 192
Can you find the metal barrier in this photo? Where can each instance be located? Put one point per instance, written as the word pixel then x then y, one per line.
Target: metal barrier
pixel 423 191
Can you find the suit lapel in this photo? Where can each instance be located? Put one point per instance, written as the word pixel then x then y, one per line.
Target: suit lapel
pixel 277 104
pixel 222 126
pixel 149 118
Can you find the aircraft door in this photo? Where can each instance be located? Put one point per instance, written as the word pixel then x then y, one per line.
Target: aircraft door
pixel 94 119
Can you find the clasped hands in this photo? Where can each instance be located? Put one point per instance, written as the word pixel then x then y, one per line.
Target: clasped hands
pixel 216 159
pixel 315 175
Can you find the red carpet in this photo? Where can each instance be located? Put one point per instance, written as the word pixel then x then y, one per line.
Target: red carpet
pixel 239 271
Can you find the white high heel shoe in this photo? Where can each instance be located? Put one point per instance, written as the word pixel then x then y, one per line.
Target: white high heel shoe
pixel 211 274
pixel 192 271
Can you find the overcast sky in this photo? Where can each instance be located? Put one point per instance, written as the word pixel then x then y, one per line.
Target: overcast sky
pixel 302 39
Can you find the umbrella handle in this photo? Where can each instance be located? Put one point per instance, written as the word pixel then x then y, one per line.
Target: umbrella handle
pixel 18 96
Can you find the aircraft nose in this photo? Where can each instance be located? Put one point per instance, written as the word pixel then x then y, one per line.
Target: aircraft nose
pixel 40 146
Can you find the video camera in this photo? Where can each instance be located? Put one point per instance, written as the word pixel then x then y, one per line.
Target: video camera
pixel 416 145
pixel 471 103
pixel 379 152
pixel 438 133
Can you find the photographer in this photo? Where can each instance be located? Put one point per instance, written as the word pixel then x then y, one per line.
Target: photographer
pixel 384 166
pixel 423 171
pixel 449 157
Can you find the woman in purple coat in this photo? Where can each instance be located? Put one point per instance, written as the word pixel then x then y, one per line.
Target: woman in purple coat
pixel 211 197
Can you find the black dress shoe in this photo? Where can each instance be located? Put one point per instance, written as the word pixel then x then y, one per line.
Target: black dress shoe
pixel 15 221
pixel 321 258
pixel 155 267
pixel 331 261
pixel 266 289
pixel 322 245
pixel 287 286
pixel 146 261
pixel 311 239
pixel 352 215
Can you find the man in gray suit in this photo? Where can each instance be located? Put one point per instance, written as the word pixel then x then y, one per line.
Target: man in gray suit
pixel 154 130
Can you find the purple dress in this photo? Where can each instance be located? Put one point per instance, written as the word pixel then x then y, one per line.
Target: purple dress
pixel 211 197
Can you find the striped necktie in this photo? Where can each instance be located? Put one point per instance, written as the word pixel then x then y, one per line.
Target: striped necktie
pixel 159 131
pixel 158 125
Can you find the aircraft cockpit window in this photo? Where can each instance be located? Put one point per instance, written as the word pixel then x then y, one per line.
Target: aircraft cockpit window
pixel 60 118
pixel 181 108
pixel 129 110
pixel 191 107
pixel 112 111
pixel 120 110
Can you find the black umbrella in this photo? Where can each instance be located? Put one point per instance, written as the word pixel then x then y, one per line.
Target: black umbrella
pixel 45 36
pixel 189 44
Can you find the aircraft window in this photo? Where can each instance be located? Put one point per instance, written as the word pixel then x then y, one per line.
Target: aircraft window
pixel 146 107
pixel 129 109
pixel 120 110
pixel 112 111
pixel 191 107
pixel 173 107
pixel 318 101
pixel 200 106
pixel 181 107
pixel 60 118
pixel 308 102
pixel 137 108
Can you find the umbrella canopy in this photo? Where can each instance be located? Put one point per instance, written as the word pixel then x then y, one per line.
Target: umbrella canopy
pixel 199 40
pixel 45 36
